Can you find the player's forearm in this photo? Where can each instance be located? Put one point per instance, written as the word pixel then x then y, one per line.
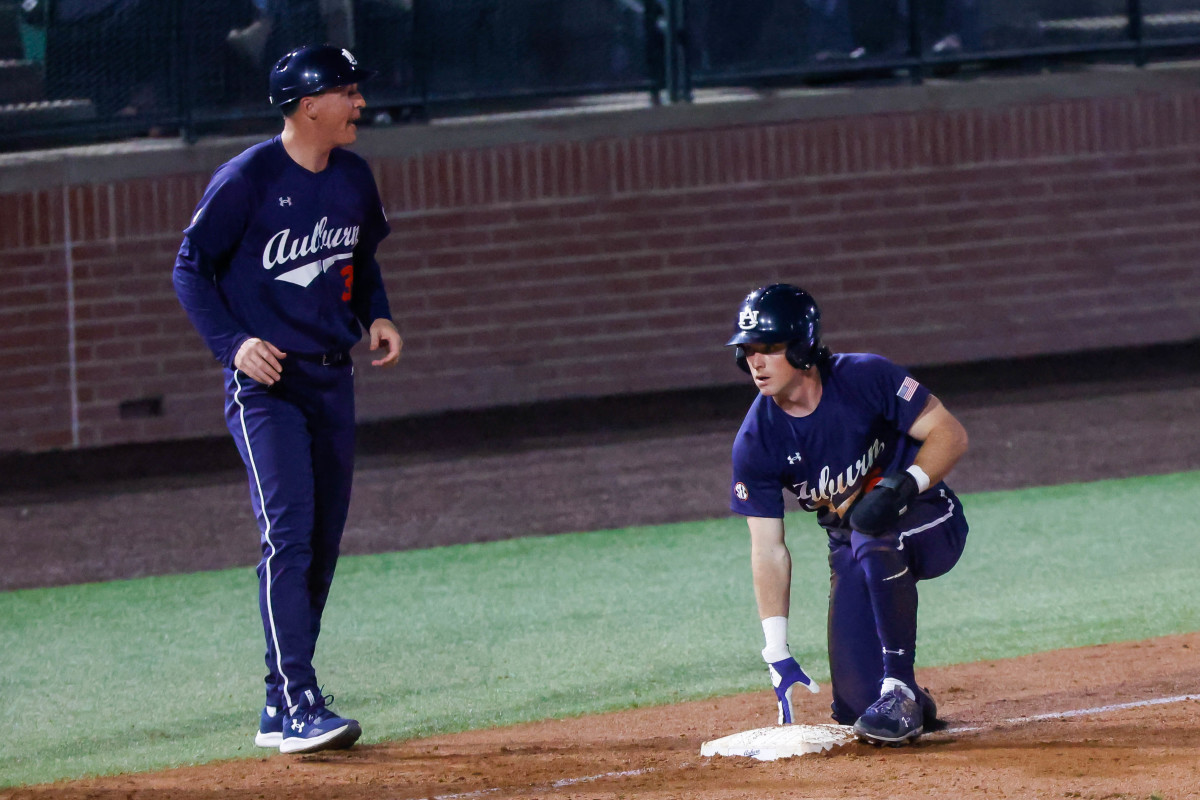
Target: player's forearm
pixel 942 449
pixel 771 566
pixel 772 572
pixel 369 301
pixel 192 278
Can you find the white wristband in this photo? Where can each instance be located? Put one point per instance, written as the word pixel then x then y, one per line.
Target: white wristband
pixel 775 633
pixel 921 478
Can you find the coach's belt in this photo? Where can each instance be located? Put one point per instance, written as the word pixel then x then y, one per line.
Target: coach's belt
pixel 324 359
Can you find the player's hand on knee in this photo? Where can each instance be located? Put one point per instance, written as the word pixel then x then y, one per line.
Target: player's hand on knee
pixel 786 675
pixel 876 512
pixel 262 361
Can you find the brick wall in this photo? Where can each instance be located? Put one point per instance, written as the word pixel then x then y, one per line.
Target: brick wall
pixel 608 263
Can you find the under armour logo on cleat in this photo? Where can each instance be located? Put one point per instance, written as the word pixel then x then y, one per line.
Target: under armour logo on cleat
pixel 297 726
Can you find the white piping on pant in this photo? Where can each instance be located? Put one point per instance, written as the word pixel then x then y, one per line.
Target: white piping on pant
pixel 262 503
pixel 932 524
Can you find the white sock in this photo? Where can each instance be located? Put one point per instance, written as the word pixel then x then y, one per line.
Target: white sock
pixel 775 633
pixel 891 683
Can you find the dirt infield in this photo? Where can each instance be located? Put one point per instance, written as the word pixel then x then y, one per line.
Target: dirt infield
pixel 991 749
pixel 562 469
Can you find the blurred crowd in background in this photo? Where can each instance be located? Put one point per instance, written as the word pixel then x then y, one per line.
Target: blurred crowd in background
pixel 156 58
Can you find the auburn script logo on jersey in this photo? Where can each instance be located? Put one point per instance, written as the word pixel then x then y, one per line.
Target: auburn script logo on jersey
pixel 281 250
pixel 835 490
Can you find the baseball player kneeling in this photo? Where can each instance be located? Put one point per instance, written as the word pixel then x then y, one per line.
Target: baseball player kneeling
pixel 865 446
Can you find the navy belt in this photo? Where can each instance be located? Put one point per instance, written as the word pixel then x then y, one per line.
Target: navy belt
pixel 324 359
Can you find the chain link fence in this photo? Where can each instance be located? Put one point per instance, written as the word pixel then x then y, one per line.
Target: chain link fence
pixel 87 70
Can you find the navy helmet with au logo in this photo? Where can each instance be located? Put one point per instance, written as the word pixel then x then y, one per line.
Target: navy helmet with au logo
pixel 311 70
pixel 780 313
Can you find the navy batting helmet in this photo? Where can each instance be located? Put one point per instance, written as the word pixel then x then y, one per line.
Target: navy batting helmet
pixel 312 70
pixel 780 313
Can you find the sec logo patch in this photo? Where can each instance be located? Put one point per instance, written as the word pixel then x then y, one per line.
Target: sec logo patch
pixel 739 489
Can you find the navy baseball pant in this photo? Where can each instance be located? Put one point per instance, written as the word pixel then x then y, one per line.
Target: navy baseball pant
pixel 873 598
pixel 297 440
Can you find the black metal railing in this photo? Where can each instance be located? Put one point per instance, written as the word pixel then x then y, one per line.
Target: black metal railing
pixel 87 70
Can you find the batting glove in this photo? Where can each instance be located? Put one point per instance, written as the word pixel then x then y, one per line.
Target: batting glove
pixel 881 507
pixel 785 676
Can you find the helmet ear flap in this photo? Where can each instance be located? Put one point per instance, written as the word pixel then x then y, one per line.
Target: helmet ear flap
pixel 800 354
pixel 739 355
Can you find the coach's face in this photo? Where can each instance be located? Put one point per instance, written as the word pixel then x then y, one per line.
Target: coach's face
pixel 769 367
pixel 337 112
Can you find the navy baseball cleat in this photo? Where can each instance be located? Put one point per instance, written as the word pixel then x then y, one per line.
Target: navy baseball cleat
pixel 311 726
pixel 892 719
pixel 929 711
pixel 270 728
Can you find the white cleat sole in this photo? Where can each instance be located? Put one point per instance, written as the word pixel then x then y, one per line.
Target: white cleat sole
pixel 272 740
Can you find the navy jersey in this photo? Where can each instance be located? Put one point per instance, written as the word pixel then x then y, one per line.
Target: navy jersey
pixel 283 254
pixel 856 434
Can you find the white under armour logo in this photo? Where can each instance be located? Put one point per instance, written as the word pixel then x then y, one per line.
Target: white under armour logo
pixel 748 319
pixel 298 726
pixel 794 459
pixel 285 201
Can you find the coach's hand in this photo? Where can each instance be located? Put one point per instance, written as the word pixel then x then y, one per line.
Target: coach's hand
pixel 261 360
pixel 785 676
pixel 383 332
pixel 879 509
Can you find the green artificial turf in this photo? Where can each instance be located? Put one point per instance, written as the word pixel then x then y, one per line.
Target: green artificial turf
pixel 139 675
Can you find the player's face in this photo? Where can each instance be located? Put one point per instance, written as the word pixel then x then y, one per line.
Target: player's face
pixel 338 111
pixel 769 367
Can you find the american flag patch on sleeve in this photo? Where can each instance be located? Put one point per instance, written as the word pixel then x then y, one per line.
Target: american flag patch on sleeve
pixel 907 389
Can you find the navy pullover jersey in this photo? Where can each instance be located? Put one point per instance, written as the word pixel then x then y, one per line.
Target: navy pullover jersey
pixel 856 434
pixel 283 254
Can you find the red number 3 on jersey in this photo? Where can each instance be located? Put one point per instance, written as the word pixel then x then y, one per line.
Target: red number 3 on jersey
pixel 348 274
